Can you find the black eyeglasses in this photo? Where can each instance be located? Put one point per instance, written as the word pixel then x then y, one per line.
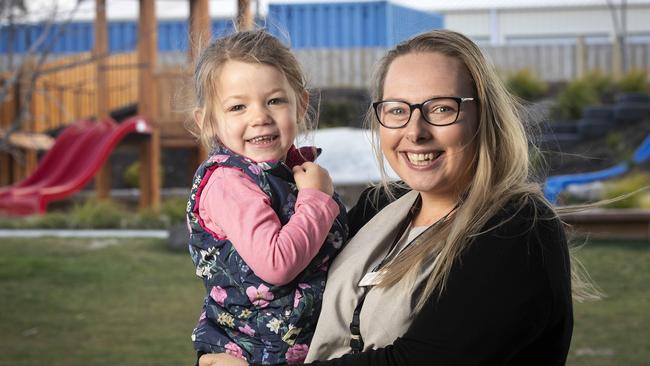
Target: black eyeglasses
pixel 439 111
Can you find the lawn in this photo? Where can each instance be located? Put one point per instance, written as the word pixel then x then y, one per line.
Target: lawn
pixel 133 302
pixel 96 302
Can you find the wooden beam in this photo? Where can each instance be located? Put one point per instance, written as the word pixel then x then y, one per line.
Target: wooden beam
pixel 200 27
pixel 100 52
pixel 244 16
pixel 200 33
pixel 5 169
pixel 103 176
pixel 150 152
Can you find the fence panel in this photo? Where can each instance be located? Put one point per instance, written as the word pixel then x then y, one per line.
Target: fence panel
pixel 352 67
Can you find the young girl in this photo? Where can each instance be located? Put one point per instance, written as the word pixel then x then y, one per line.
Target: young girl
pixel 264 225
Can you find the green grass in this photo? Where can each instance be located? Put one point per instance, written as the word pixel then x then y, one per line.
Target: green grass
pixel 96 302
pixel 133 302
pixel 616 329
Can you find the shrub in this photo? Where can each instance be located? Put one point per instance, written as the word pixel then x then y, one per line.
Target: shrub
pixel 617 190
pixel 96 214
pixel 148 219
pixel 174 209
pixel 634 81
pixel 602 85
pixel 570 102
pixel 526 85
pixel 336 114
pixel 131 175
pixel 616 143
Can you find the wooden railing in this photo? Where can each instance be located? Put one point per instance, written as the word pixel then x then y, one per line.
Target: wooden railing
pixel 65 91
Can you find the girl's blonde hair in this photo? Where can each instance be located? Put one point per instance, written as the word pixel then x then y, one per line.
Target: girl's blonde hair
pixel 501 164
pixel 257 46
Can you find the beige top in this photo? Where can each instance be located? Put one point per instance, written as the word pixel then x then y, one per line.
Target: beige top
pixel 386 313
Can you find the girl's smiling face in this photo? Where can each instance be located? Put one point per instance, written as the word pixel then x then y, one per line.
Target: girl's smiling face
pixel 257 111
pixel 434 160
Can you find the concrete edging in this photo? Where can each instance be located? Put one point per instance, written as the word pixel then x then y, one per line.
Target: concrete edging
pixel 108 233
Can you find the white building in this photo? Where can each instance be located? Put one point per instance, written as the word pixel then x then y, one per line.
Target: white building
pixel 499 22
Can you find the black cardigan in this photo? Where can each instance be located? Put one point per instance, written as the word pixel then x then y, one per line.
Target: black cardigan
pixel 507 300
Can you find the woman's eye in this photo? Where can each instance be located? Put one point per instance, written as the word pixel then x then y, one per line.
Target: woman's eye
pixel 396 111
pixel 442 109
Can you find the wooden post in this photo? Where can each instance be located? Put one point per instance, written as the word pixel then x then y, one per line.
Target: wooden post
pixel 581 57
pixel 617 58
pixel 5 169
pixel 100 52
pixel 244 16
pixel 200 30
pixel 150 150
pixel 200 27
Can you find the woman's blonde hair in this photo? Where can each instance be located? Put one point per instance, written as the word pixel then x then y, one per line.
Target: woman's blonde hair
pixel 501 162
pixel 257 46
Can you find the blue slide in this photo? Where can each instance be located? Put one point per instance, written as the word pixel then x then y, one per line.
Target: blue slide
pixel 556 184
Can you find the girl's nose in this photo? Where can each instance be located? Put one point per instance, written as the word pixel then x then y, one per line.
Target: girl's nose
pixel 260 116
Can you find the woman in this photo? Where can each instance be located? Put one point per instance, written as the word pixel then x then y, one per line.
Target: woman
pixel 471 267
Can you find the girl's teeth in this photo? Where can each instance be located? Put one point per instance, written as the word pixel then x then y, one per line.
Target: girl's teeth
pixel 261 139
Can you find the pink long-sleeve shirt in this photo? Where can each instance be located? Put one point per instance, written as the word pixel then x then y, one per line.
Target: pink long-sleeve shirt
pixel 233 206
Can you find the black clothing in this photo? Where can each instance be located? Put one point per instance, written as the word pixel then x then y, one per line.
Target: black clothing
pixel 367 206
pixel 507 301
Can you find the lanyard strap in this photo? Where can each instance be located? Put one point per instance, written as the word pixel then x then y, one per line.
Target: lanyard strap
pixel 356 340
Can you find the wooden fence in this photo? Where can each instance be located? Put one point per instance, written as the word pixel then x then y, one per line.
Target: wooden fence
pixel 65 91
pixel 553 63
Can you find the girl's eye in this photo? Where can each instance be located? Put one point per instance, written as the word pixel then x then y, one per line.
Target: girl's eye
pixel 276 101
pixel 237 108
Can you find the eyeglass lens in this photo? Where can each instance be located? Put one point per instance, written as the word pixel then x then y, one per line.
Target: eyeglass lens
pixel 438 111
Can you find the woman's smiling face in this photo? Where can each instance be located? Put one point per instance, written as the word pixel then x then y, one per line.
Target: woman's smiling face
pixel 435 160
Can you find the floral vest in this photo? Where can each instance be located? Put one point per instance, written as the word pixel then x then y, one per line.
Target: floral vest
pixel 243 315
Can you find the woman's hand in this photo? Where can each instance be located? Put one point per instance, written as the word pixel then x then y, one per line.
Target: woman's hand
pixel 221 359
pixel 312 175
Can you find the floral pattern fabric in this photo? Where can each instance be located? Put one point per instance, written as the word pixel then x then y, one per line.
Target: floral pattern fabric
pixel 243 315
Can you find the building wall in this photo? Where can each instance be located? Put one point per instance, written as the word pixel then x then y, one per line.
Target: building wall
pixel 348 24
pixel 547 25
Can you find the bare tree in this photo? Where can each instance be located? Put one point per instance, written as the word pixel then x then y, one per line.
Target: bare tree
pixel 25 74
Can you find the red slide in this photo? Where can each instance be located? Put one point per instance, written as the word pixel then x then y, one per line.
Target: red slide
pixel 77 154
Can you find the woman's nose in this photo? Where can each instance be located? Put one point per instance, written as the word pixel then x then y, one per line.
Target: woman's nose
pixel 417 129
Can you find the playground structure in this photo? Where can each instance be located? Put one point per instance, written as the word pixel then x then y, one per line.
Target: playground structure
pixel 556 184
pixel 77 155
pixel 80 100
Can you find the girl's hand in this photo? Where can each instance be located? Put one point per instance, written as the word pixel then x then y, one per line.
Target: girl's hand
pixel 312 175
pixel 221 359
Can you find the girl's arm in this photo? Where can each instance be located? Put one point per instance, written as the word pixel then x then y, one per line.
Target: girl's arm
pixel 232 205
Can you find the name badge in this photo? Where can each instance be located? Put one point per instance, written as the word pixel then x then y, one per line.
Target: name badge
pixel 370 279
